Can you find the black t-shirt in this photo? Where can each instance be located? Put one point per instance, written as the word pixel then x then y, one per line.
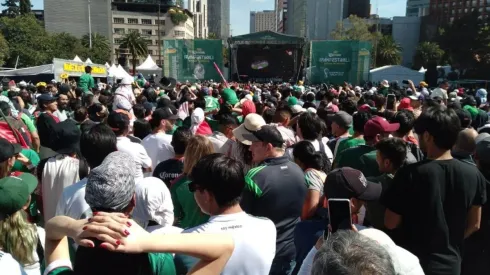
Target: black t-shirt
pixel 169 170
pixel 433 198
pixel 45 124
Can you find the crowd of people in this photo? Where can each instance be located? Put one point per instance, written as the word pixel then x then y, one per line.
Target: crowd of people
pixel 237 178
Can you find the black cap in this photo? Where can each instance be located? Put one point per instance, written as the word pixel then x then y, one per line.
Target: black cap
pixel 8 150
pixel 118 121
pixel 266 133
pixel 47 97
pixel 347 183
pixel 469 100
pixel 168 83
pixel 66 137
pixel 464 117
pixel 167 112
pixel 64 89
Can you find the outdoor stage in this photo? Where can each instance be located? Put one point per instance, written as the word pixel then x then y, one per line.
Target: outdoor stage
pixel 266 56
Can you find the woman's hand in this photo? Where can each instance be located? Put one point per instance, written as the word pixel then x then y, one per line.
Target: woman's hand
pixel 115 230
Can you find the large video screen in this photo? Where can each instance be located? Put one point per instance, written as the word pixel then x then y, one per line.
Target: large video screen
pixel 274 62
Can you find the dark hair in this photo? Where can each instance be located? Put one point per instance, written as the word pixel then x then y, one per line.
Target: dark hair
pixel 379 101
pixel 141 128
pixel 441 123
pixel 139 111
pixel 305 152
pixel 227 119
pixel 269 115
pixel 359 119
pixel 96 143
pixel 180 139
pixel 406 118
pixel 394 149
pixel 222 176
pixel 310 125
pixel 349 252
pixel 88 69
pixel 80 114
pixel 349 106
pixel 78 92
pixel 5 107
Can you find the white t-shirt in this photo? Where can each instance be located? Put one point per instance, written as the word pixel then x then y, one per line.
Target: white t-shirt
pixel 35 269
pixel 253 255
pixel 316 144
pixel 158 148
pixel 218 140
pixel 72 202
pixel 138 152
pixel 59 172
pixel 10 266
pixel 439 92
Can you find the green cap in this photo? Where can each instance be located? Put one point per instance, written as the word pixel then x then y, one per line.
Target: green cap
pixel 15 192
pixel 292 101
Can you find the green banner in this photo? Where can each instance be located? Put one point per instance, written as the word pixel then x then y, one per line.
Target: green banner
pixel 336 62
pixel 192 59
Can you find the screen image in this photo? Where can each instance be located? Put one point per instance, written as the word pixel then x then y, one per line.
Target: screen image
pixel 265 63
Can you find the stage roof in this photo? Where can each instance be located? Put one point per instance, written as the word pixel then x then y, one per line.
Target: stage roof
pixel 266 37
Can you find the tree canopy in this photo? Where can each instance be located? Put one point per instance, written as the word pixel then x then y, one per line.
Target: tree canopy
pixel 137 46
pixel 427 53
pixel 388 52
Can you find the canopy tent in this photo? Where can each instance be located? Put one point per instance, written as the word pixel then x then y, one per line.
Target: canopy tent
pixel 77 59
pixel 107 65
pixel 88 61
pixel 37 70
pixel 118 72
pixel 395 73
pixel 148 65
pixel 422 70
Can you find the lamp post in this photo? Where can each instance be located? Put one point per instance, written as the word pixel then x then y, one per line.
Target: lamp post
pixel 89 25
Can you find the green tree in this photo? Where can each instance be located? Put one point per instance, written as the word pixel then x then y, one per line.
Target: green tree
pixel 66 46
pixel 27 40
pixel 101 48
pixel 356 29
pixel 388 52
pixel 12 7
pixel 212 35
pixel 136 45
pixel 426 53
pixel 25 7
pixel 4 50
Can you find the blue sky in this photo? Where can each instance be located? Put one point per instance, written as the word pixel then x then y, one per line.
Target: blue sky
pixel 240 10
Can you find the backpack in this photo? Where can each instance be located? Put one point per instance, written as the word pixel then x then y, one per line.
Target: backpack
pixel 14 131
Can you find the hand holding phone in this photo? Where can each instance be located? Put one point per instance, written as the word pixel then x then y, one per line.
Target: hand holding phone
pixel 340 216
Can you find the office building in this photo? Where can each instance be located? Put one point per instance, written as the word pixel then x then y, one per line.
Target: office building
pixel 296 18
pixel 116 18
pixel 359 8
pixel 199 9
pixel 219 18
pixel 281 8
pixel 262 21
pixel 445 11
pixel 417 8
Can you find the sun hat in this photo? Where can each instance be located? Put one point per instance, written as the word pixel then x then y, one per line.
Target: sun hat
pixel 253 122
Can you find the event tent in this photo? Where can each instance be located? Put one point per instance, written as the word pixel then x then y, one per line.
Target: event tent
pixel 118 72
pixel 37 70
pixel 395 73
pixel 88 61
pixel 148 65
pixel 77 59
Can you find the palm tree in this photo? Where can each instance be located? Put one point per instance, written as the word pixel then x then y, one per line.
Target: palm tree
pixel 137 46
pixel 388 52
pixel 427 52
pixel 101 49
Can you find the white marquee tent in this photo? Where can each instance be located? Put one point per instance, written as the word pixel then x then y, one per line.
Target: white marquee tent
pixel 88 61
pixel 395 73
pixel 77 59
pixel 148 65
pixel 118 72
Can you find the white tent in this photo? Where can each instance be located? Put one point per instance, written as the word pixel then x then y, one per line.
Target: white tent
pixel 77 59
pixel 395 73
pixel 121 73
pixel 88 61
pixel 112 71
pixel 148 65
pixel 422 70
pixel 107 65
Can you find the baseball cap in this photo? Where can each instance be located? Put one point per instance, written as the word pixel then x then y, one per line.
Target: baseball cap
pixel 423 84
pixel 405 104
pixel 379 125
pixel 342 119
pixel 415 96
pixel 252 123
pixel 111 185
pixel 15 192
pixel 464 117
pixel 292 101
pixel 347 183
pixel 118 121
pixel 64 89
pixel 167 112
pixel 267 133
pixel 46 98
pixel 8 150
pixel 297 109
pixel 66 137
pixel 483 147
pixel 385 83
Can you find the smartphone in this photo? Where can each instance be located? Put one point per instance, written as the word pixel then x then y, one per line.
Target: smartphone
pixel 390 102
pixel 339 215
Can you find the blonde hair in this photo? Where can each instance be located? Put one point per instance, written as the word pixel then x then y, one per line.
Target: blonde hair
pixel 5 169
pixel 198 147
pixel 18 237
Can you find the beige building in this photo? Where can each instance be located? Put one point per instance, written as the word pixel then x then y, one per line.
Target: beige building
pixel 262 21
pixel 199 8
pixel 147 24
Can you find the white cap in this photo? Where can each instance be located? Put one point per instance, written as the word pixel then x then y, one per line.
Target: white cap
pixel 253 122
pixel 296 109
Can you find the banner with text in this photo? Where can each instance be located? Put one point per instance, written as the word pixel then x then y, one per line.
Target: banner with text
pixel 336 62
pixel 192 59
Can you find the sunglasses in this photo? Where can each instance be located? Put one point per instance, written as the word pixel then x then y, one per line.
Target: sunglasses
pixel 193 187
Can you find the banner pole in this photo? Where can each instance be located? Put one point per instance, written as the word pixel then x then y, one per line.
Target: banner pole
pixel 220 73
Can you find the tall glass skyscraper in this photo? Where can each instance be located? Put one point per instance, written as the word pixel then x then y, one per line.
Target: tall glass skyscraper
pixel 219 18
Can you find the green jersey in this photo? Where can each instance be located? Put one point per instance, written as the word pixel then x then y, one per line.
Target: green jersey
pixel 86 82
pixel 211 103
pixel 186 210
